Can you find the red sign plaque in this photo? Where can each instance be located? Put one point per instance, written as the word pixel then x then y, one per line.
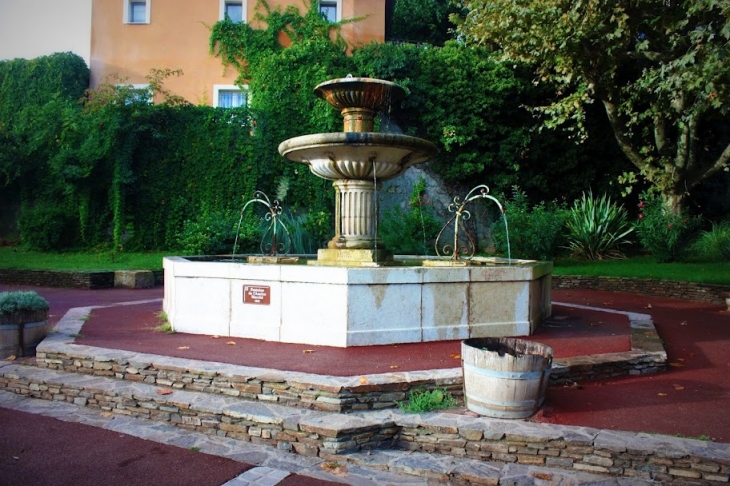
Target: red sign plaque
pixel 256 294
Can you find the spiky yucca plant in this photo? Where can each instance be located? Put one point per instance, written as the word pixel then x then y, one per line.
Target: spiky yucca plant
pixel 597 228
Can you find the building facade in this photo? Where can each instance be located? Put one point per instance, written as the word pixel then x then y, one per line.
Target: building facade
pixel 126 39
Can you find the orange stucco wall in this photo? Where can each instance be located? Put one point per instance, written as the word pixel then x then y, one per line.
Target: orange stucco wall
pixel 177 38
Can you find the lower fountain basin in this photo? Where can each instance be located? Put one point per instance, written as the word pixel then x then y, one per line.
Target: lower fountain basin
pixel 345 306
pixel 357 156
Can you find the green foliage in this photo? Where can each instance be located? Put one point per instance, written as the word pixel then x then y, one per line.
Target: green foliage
pixel 422 21
pixel 45 227
pixel 11 302
pixel 428 401
pixel 714 244
pixel 597 228
pixel 130 174
pixel 658 68
pixel 536 232
pixel 664 234
pixel 213 232
pixel 413 230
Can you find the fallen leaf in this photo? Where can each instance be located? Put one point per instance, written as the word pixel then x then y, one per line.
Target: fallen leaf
pixel 183 347
pixel 106 414
pixel 393 367
pixel 307 351
pixel 683 323
pixel 608 303
pixel 676 365
pixel 231 343
pixel 364 380
pixel 164 391
pixel 10 358
pixel 678 387
pixel 662 394
pixel 593 324
pixel 215 337
pixel 680 359
pixel 648 306
pixel 455 356
pixel 335 468
pixel 543 476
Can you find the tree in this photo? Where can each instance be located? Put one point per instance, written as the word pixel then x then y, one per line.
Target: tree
pixel 423 21
pixel 659 67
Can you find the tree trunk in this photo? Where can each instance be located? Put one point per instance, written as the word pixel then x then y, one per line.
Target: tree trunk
pixel 675 202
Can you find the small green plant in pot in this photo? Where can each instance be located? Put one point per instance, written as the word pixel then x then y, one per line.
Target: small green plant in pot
pixel 23 322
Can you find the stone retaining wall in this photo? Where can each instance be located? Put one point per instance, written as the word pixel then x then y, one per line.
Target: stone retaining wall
pixel 71 280
pixel 670 460
pixel 715 294
pixel 302 390
pixel 47 278
pixel 310 434
pixel 661 458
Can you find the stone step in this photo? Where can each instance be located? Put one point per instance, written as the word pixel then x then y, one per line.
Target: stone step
pixel 450 439
pixel 306 390
pixel 371 467
pixel 306 432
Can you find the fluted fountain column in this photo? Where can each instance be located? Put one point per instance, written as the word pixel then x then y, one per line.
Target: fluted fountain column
pixel 356 217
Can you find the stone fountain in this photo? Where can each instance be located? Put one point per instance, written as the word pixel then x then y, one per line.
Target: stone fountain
pixel 355 293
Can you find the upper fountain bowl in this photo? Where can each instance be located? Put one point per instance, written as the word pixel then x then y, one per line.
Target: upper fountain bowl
pixel 367 93
pixel 357 156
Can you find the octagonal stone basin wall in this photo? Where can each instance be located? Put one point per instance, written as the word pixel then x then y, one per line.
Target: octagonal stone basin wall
pixel 345 306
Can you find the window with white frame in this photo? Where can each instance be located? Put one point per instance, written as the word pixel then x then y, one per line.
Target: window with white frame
pixel 331 10
pixel 229 96
pixel 234 10
pixel 137 11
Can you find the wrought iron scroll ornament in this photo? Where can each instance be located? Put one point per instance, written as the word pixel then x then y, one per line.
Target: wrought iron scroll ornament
pixel 459 248
pixel 270 241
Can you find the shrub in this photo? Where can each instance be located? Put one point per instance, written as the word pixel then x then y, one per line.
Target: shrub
pixel 667 236
pixel 46 227
pixel 534 232
pixel 714 244
pixel 410 231
pixel 214 233
pixel 12 302
pixel 597 228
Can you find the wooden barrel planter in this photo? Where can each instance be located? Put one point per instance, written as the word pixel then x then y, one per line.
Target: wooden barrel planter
pixel 505 377
pixel 21 332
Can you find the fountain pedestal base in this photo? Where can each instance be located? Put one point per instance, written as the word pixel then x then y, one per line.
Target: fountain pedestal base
pixel 350 306
pixel 330 256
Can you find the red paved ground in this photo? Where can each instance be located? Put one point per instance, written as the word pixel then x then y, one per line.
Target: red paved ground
pixel 43 451
pixel 691 399
pixel 570 332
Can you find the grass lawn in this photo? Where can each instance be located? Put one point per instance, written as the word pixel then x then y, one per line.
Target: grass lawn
pixel 646 267
pixel 12 257
pixel 637 267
